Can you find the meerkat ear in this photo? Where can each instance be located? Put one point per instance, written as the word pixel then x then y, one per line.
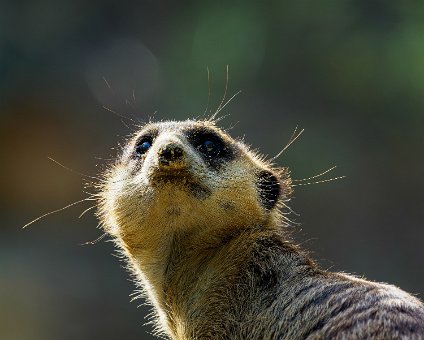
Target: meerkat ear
pixel 269 189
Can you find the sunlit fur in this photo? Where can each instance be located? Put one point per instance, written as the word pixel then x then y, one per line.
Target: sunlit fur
pixel 215 263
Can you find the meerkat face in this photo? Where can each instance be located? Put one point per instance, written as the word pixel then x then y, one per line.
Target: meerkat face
pixel 183 176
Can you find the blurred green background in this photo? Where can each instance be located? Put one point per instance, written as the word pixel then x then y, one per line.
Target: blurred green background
pixel 350 72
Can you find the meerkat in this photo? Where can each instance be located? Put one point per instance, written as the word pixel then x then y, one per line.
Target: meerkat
pixel 200 219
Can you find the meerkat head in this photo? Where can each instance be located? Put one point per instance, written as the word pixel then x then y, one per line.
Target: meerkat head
pixel 184 176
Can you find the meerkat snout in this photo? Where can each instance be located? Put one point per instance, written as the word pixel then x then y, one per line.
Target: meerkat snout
pixel 170 154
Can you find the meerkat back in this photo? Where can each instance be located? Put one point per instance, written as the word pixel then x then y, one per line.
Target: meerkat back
pixel 200 220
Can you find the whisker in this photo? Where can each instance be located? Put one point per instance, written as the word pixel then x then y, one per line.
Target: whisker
pixel 91 195
pixel 232 126
pixel 225 91
pixel 290 142
pixel 322 181
pixel 131 103
pixel 120 115
pixel 55 211
pixel 294 132
pixel 126 125
pixel 133 96
pixel 104 159
pixel 87 210
pixel 228 101
pixel 221 118
pixel 209 91
pixel 73 171
pixel 319 175
pixel 101 237
pixel 289 221
pixel 107 83
pixel 289 209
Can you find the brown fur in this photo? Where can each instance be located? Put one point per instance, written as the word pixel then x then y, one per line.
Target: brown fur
pixel 215 263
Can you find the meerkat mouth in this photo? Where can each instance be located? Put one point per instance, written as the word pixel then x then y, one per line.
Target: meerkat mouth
pixel 173 179
pixel 180 179
pixel 177 178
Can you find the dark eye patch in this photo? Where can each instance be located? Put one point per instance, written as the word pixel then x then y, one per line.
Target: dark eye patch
pixel 211 146
pixel 144 143
pixel 269 189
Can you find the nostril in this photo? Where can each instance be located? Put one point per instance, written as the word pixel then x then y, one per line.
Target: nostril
pixel 166 154
pixel 178 152
pixel 171 153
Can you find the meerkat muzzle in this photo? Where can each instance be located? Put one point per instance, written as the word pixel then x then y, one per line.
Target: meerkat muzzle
pixel 171 155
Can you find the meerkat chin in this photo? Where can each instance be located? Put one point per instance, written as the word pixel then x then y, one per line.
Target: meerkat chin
pixel 199 218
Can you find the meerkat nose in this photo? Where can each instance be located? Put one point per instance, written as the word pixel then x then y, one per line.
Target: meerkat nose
pixel 170 153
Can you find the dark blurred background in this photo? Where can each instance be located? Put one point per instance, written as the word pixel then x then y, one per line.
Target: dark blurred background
pixel 350 72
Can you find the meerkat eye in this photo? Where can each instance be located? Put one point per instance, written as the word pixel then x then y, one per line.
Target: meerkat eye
pixel 142 147
pixel 209 146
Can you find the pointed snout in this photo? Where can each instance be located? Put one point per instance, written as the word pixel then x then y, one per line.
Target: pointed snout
pixel 171 154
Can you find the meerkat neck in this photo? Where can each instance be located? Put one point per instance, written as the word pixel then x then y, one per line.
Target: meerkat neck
pixel 201 269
